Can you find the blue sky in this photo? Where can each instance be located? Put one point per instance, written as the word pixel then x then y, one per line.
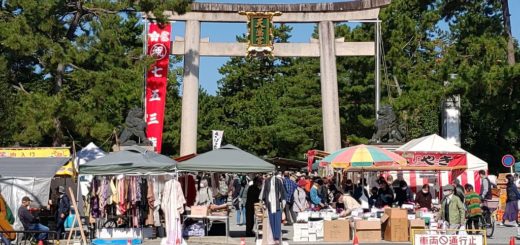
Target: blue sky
pixel 226 32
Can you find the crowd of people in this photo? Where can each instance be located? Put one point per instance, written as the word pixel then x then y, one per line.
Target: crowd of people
pixel 460 207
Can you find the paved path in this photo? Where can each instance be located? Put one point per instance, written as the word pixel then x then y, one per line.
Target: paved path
pixel 501 236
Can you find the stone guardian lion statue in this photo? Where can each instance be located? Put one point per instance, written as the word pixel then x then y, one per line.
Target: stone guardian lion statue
pixel 388 128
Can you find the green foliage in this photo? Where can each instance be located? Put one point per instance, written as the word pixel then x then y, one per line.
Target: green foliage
pixel 68 74
pixel 71 69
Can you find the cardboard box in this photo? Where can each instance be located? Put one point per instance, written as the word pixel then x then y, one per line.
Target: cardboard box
pixel 395 225
pixel 336 231
pixel 297 226
pixel 199 211
pixel 301 239
pixel 417 225
pixel 368 231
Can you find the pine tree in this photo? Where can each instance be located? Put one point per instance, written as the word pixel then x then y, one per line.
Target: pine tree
pixel 72 68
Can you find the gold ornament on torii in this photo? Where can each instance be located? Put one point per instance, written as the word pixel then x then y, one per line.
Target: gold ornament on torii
pixel 260 36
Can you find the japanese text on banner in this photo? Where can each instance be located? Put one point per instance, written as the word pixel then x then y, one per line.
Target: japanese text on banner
pixel 156 81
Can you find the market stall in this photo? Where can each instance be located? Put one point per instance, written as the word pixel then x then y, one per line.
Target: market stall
pixel 31 177
pixel 227 159
pixel 333 224
pixel 128 190
pixel 433 152
pixel 364 224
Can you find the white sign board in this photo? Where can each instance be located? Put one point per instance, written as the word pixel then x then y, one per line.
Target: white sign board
pixel 440 239
pixel 217 138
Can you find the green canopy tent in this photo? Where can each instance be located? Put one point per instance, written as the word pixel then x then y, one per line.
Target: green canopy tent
pixel 227 159
pixel 133 160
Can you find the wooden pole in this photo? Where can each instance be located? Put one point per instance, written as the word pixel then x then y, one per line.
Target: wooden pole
pixel 75 206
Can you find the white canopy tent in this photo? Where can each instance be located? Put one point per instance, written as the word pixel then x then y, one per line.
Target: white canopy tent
pixel 436 144
pixel 87 154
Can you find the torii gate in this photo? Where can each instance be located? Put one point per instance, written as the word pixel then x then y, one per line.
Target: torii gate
pixel 327 48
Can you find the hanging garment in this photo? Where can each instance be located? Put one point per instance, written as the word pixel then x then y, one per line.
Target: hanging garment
pixel 114 196
pixel 173 206
pixel 158 187
pixel 143 201
pixel 94 199
pixel 189 188
pixel 273 195
pixel 122 197
pixel 150 198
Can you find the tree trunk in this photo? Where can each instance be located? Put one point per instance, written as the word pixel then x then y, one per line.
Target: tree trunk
pixel 58 80
pixel 58 134
pixel 507 29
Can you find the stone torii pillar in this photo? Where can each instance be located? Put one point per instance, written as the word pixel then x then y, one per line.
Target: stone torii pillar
pixel 329 87
pixel 190 88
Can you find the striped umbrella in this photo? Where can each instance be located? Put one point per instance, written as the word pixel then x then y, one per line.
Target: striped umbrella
pixel 363 156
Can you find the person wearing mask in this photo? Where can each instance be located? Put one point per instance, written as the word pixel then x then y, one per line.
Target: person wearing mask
pixel 29 222
pixel 290 186
pixel 473 202
pixel 332 189
pixel 393 184
pixel 316 200
pixel 223 191
pixel 62 212
pixel 300 198
pixel 459 189
pixel 252 197
pixel 236 187
pixel 360 190
pixel 385 196
pixel 452 211
pixel 324 191
pixel 511 212
pixel 349 204
pixel 204 194
pixel 404 194
pixel 372 200
pixel 423 198
pixel 349 187
pixel 485 187
pixel 244 186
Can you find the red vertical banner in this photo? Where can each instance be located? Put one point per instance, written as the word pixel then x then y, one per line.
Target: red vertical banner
pixel 156 81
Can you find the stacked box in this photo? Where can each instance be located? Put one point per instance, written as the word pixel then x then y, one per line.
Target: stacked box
pixel 301 232
pixel 337 231
pixel 395 225
pixel 369 231
pixel 419 226
pixel 316 230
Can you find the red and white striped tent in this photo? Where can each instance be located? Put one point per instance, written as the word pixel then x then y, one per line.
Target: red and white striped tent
pixel 435 153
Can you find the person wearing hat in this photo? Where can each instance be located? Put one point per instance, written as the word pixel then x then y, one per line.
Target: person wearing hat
pixel 452 211
pixel 62 212
pixel 300 198
pixel 29 222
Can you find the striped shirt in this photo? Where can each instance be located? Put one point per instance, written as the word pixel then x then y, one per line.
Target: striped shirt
pixel 473 204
